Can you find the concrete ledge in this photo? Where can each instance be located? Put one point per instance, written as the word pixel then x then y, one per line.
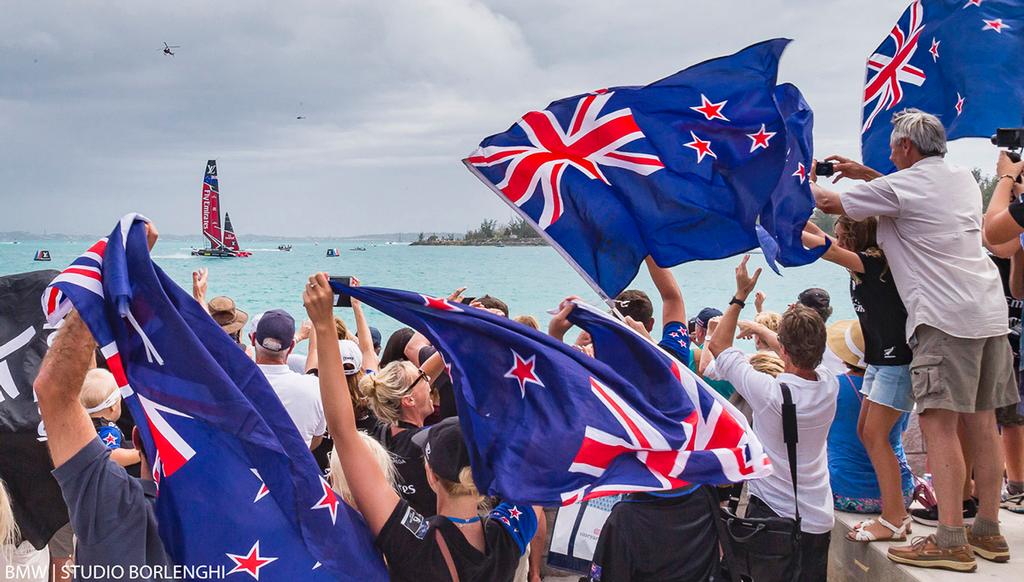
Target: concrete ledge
pixel 850 561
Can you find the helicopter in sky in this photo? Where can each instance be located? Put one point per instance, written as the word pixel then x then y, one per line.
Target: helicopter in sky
pixel 167 49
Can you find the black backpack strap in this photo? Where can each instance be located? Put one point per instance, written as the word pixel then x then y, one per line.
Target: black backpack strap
pixel 789 434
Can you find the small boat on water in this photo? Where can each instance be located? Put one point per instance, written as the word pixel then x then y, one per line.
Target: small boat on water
pixel 357 249
pixel 333 252
pixel 42 256
pixel 285 248
pixel 223 242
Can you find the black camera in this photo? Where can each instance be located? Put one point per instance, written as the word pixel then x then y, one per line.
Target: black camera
pixel 824 168
pixel 1011 139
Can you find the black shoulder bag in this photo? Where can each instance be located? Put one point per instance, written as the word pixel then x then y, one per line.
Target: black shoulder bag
pixel 766 549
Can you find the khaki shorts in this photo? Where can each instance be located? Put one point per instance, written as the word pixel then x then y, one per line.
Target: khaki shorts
pixel 961 374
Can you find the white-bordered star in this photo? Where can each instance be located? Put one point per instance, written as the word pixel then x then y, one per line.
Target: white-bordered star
pixel 250 563
pixel 514 512
pixel 760 139
pixel 328 501
pixel 934 51
pixel 972 3
pixel 996 25
pixel 523 372
pixel 702 147
pixel 263 491
pixel 801 172
pixel 959 104
pixel 710 110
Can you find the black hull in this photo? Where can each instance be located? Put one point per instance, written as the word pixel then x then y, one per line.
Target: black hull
pixel 218 253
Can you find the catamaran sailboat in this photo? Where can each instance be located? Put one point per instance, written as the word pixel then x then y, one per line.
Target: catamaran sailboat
pixel 222 239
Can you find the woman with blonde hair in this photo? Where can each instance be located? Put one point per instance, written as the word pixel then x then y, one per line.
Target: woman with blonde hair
pixel 456 543
pixel 380 456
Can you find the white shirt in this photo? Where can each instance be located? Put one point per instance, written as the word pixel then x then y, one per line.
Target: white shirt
pixel 929 226
pixel 834 363
pixel 300 395
pixel 815 402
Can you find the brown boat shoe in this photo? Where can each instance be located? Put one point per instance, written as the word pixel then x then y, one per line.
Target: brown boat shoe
pixel 924 552
pixel 992 548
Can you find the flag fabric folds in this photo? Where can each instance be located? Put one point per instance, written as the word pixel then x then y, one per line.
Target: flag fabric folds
pixel 237 485
pixel 546 424
pixel 956 59
pixel 681 169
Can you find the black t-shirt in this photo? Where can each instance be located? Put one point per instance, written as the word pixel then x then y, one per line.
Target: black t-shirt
pixel 412 475
pixel 1014 305
pixel 883 318
pixel 409 543
pixel 656 538
pixel 443 386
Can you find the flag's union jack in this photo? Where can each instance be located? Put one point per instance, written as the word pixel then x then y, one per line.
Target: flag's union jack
pixel 591 141
pixel 885 88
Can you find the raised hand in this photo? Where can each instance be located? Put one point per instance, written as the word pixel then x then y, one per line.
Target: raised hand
pixel 200 284
pixel 456 295
pixel 744 282
pixel 318 297
pixel 847 168
pixel 759 298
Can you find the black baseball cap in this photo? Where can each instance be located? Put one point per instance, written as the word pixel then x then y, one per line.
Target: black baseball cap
pixel 275 330
pixel 444 448
pixel 706 315
pixel 375 336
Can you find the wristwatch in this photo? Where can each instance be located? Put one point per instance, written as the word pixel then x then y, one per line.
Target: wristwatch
pixel 739 302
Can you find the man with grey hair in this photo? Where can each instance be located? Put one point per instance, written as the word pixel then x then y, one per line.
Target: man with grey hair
pixel 299 393
pixel 929 226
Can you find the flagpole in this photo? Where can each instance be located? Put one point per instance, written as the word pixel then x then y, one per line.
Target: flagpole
pixel 551 241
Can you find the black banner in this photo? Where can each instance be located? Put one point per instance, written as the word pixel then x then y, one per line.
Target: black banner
pixel 25 463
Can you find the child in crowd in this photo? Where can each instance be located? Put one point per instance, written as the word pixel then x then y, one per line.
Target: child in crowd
pixel 854 485
pixel 102 400
pixel 887 386
pixel 801 342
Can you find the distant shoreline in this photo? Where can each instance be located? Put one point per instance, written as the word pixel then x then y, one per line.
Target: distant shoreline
pixel 527 242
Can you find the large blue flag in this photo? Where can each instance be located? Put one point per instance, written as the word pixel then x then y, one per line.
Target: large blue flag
pixel 956 59
pixel 237 486
pixel 546 424
pixel 680 169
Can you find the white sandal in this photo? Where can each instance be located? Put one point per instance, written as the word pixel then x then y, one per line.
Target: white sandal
pixel 898 534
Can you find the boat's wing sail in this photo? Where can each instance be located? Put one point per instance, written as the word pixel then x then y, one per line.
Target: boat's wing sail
pixel 230 240
pixel 211 207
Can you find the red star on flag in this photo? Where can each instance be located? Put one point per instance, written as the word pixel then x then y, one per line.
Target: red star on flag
pixel 505 521
pixel 760 139
pixel 251 562
pixel 801 172
pixel 710 110
pixel 522 371
pixel 972 3
pixel 440 304
pixel 110 440
pixel 996 25
pixel 702 147
pixel 959 104
pixel 935 50
pixel 515 513
pixel 264 491
pixel 329 501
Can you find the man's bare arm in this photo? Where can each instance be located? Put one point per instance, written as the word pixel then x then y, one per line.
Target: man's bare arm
pixel 58 386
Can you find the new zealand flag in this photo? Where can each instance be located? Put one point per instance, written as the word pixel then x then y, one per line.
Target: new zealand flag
pixel 685 168
pixel 956 59
pixel 547 425
pixel 237 485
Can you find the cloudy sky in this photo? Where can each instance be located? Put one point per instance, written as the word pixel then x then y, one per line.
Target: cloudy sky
pixel 95 121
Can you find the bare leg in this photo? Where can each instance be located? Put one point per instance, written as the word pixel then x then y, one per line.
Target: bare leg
pixel 1013 448
pixel 946 462
pixel 961 433
pixel 877 426
pixel 983 439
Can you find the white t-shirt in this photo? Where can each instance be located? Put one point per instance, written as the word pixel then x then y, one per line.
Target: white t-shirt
pixel 834 363
pixel 929 226
pixel 300 395
pixel 815 408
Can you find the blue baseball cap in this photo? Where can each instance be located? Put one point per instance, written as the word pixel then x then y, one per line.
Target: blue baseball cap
pixel 275 330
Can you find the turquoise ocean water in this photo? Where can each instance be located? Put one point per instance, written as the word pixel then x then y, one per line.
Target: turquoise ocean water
pixel 531 280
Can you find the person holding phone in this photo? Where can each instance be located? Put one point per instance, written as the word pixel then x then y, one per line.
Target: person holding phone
pixel 456 543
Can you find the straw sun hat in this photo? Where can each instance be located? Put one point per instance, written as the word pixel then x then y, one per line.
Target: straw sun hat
pixel 846 340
